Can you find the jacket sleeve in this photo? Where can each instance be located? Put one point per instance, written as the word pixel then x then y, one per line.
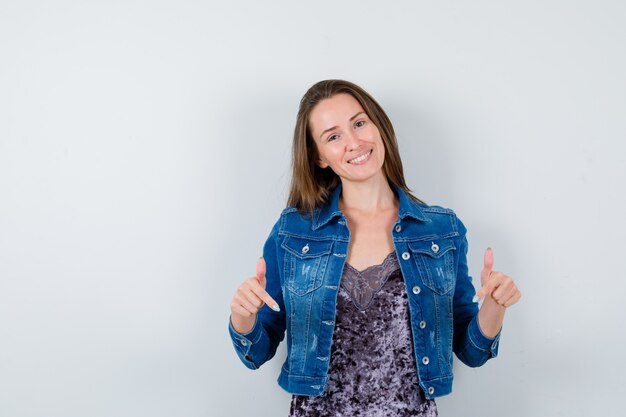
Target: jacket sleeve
pixel 259 345
pixel 471 346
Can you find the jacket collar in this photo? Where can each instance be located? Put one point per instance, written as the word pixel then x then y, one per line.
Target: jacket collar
pixel 408 208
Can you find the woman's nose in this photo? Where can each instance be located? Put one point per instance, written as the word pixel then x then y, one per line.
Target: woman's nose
pixel 353 142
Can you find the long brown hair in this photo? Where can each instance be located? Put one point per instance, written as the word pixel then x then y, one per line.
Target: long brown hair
pixel 311 185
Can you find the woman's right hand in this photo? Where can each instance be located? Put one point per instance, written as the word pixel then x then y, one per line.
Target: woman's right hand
pixel 248 300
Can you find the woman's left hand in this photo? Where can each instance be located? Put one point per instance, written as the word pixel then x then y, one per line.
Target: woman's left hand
pixel 499 287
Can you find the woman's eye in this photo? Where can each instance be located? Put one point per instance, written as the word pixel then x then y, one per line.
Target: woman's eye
pixel 332 137
pixel 360 123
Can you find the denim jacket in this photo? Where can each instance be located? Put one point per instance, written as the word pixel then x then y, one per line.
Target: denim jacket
pixel 305 256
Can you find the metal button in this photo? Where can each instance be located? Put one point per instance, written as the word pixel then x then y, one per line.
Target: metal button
pixel 398 228
pixel 416 290
pixel 305 249
pixel 406 255
pixel 243 342
pixel 425 360
pixel 422 324
pixel 435 247
pixel 431 390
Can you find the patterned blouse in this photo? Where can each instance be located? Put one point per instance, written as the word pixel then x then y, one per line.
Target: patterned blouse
pixel 372 366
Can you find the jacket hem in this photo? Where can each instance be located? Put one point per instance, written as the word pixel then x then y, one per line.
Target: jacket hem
pixel 315 385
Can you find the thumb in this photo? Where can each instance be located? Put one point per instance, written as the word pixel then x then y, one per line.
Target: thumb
pixel 488 266
pixel 260 271
pixel 484 275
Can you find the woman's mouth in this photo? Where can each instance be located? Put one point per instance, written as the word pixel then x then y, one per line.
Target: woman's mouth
pixel 360 159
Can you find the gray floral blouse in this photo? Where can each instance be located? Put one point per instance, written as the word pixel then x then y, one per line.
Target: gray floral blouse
pixel 372 366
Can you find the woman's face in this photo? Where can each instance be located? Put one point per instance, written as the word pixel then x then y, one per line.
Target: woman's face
pixel 347 140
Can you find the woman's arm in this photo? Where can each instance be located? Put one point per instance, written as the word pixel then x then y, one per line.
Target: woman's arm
pixel 490 318
pixel 259 344
pixel 502 293
pixel 477 332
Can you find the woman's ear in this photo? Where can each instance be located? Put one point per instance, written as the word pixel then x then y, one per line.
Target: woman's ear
pixel 322 164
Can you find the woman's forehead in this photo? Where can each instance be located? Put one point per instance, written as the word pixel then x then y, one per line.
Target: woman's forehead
pixel 333 111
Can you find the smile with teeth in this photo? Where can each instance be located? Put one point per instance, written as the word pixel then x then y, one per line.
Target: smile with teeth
pixel 360 158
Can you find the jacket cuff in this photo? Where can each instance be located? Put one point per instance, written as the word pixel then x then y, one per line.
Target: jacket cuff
pixel 482 342
pixel 244 341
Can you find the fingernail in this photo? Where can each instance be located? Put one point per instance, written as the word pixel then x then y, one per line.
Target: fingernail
pixel 489 248
pixel 275 307
pixel 475 299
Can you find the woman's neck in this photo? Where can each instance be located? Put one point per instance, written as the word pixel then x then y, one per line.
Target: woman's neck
pixel 369 197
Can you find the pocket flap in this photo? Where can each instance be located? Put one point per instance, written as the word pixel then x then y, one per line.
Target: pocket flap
pixel 435 248
pixel 306 248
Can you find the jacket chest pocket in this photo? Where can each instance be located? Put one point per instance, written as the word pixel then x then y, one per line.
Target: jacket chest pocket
pixel 435 262
pixel 305 263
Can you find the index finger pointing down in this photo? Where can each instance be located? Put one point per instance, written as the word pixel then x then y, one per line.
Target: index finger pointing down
pixel 263 295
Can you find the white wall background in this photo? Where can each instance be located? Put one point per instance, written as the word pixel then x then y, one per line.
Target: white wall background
pixel 144 156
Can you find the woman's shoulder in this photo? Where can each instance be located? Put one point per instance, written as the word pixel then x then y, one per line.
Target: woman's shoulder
pixel 440 216
pixel 410 203
pixel 320 224
pixel 292 221
pixel 434 208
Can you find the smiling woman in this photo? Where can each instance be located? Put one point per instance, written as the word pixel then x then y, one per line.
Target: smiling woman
pixel 369 283
pixel 312 183
pixel 353 148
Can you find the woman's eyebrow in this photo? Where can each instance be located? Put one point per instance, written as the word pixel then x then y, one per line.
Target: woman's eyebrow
pixel 335 127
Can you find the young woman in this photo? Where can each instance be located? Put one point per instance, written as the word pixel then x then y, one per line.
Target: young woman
pixel 369 283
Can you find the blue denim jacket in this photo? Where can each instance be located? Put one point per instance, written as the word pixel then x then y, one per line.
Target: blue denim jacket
pixel 305 257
